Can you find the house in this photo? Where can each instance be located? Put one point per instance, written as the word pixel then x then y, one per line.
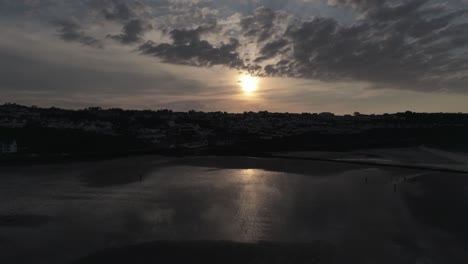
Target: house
pixel 8 147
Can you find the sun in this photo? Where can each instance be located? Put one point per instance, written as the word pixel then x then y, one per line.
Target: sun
pixel 248 84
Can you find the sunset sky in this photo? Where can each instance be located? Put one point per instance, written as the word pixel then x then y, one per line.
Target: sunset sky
pixel 340 56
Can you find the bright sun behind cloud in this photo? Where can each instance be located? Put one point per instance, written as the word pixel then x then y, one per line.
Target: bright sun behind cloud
pixel 248 83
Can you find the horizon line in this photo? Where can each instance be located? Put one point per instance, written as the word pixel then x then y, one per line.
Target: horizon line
pixel 99 108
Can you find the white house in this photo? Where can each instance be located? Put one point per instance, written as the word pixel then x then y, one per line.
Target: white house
pixel 8 147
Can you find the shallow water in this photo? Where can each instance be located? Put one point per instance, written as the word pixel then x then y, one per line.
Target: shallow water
pixel 57 214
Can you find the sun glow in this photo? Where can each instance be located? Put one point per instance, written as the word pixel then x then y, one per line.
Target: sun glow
pixel 248 84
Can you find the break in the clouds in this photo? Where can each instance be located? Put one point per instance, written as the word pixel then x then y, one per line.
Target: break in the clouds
pixel 409 45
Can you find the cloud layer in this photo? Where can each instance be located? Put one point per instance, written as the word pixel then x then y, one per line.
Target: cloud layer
pixel 410 44
pixel 419 45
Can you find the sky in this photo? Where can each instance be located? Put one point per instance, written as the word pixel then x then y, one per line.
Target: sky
pixel 341 56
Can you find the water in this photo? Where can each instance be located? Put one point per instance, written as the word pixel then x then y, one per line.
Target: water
pixel 57 214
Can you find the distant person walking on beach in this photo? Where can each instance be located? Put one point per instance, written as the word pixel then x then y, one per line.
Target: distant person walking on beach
pixel 141 176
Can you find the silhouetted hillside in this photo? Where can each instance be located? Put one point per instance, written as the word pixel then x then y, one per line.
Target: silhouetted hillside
pixel 89 131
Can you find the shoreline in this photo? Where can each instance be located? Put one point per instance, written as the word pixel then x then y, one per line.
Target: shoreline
pixel 30 160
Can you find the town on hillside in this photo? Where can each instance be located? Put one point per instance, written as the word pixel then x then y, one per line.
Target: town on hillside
pixel 37 130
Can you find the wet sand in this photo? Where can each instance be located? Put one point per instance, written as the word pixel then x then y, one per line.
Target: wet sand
pixel 117 209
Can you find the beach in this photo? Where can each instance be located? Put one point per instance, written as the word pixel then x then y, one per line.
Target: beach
pixel 63 213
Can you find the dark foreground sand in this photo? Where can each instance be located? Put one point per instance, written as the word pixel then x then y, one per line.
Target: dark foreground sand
pixel 211 252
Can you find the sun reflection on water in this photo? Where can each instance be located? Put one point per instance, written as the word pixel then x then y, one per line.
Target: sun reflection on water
pixel 254 225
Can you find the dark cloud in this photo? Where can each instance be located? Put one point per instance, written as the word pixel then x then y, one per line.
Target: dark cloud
pixel 71 31
pixel 261 25
pixel 272 49
pixel 188 49
pixel 120 11
pixel 187 36
pixel 129 14
pixel 132 32
pixel 400 11
pixel 117 10
pixel 407 45
pixel 126 13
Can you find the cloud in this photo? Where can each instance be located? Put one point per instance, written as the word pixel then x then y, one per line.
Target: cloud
pixel 118 11
pixel 51 72
pixel 69 30
pixel 188 49
pixel 407 44
pixel 264 24
pixel 271 49
pixel 398 44
pixel 361 5
pixel 394 47
pixel 130 14
pixel 59 78
pixel 132 32
pixel 25 3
